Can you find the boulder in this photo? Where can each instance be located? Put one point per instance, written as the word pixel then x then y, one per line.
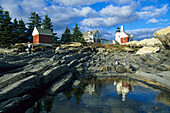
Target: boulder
pixel 162 32
pixel 6 50
pixel 164 36
pixel 72 44
pixel 146 50
pixel 153 42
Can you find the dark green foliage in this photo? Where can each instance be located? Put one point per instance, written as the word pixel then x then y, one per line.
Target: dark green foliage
pixel 22 37
pixel 76 33
pixel 35 20
pixel 15 31
pixel 54 40
pixel 66 36
pixel 47 24
pixel 6 30
pixel 81 40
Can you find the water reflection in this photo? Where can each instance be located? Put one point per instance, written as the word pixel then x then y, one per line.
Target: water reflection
pixel 123 87
pixel 109 93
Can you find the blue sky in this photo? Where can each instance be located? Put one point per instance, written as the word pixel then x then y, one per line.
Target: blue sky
pixel 139 17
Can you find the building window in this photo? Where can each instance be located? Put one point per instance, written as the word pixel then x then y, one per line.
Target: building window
pixel 123 39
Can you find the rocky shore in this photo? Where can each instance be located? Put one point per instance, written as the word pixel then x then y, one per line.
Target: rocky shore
pixel 24 76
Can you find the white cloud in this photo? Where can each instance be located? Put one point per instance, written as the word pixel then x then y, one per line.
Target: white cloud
pixel 153 20
pixel 78 2
pixel 106 22
pixel 111 16
pixel 163 20
pixel 87 12
pixel 152 11
pixel 117 11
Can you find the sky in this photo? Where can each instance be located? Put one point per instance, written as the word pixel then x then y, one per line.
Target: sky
pixel 141 18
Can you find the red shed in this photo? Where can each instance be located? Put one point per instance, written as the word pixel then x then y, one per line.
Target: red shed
pixel 41 35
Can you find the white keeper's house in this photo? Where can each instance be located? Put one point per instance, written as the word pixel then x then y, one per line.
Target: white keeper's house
pixel 92 36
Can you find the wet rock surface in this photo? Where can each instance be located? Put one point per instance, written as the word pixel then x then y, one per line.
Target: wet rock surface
pixel 52 71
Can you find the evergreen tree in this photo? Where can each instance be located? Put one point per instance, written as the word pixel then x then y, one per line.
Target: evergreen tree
pixel 66 36
pixel 76 33
pixel 47 24
pixel 54 40
pixel 22 37
pixel 6 29
pixel 15 29
pixel 35 21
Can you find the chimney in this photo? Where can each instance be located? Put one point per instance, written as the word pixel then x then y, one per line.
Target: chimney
pixel 122 28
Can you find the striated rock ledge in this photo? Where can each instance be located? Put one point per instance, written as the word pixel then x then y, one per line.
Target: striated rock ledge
pixel 25 77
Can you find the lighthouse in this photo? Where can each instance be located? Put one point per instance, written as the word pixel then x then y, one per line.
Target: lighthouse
pixel 122 37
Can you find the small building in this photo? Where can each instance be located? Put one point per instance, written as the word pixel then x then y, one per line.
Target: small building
pixel 92 36
pixel 42 36
pixel 105 41
pixel 122 37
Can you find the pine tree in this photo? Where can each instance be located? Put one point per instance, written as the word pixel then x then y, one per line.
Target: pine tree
pixel 47 24
pixel 76 33
pixel 15 29
pixel 66 36
pixel 54 39
pixel 6 29
pixel 22 37
pixel 35 21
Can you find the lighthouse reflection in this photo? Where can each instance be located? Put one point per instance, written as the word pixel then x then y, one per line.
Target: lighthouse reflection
pixel 123 87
